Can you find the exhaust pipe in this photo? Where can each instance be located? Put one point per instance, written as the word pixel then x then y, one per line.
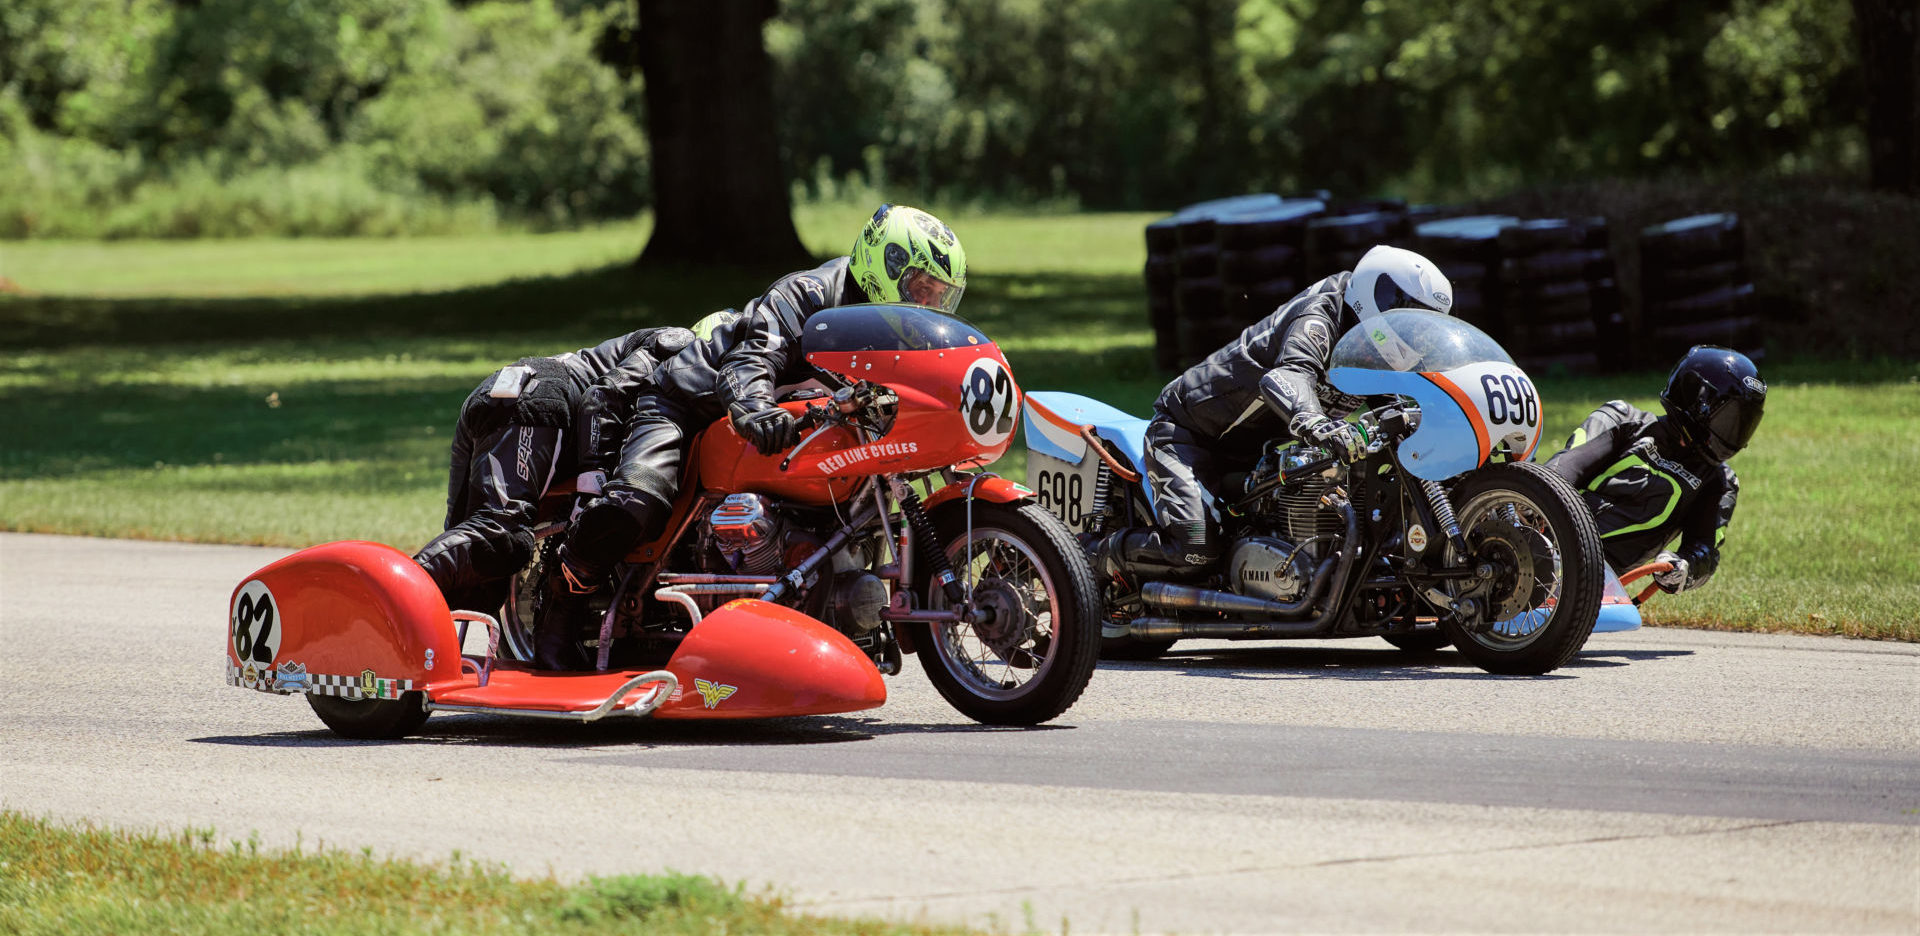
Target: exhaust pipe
pixel 1185 597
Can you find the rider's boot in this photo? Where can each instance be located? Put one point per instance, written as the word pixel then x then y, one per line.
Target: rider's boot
pixel 562 607
pixel 1129 558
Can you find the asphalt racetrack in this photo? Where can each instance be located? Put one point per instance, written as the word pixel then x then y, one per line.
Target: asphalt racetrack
pixel 1667 780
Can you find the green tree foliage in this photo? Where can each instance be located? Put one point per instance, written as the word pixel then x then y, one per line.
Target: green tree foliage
pixel 1149 102
pixel 235 117
pixel 183 117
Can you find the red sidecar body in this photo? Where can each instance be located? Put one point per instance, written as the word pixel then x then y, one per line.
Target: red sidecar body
pixel 362 622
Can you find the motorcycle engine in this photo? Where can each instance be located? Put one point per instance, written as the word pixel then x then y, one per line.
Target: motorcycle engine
pixel 1264 567
pixel 748 534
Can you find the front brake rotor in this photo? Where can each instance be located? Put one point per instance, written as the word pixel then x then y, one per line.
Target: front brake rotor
pixel 1009 622
pixel 1511 549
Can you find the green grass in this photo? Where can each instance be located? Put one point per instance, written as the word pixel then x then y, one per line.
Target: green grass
pixel 294 419
pixel 57 879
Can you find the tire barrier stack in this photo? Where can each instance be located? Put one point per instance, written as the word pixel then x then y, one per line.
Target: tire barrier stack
pixel 1211 263
pixel 1467 250
pixel 1552 293
pixel 1548 290
pixel 1695 288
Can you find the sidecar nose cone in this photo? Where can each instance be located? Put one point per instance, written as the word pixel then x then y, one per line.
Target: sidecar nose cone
pixel 753 659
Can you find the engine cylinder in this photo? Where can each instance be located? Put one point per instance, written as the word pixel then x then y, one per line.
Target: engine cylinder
pixel 747 533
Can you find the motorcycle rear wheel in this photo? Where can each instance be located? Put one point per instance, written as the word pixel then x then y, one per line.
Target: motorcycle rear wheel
pixel 371 719
pixel 1032 661
pixel 1544 638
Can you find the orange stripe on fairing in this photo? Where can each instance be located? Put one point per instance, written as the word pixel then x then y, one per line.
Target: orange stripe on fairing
pixel 1466 406
pixel 1050 416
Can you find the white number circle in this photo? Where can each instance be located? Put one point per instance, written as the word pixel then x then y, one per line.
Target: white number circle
pixel 256 627
pixel 989 402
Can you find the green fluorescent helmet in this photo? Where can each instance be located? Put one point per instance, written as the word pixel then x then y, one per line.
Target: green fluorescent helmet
pixel 907 255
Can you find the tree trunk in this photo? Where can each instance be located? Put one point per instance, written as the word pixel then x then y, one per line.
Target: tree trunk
pixel 1889 32
pixel 719 194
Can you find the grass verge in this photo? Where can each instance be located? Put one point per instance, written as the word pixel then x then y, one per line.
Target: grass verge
pixel 294 420
pixel 58 879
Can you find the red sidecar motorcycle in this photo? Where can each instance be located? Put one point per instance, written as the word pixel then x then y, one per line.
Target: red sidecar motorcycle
pixel 783 585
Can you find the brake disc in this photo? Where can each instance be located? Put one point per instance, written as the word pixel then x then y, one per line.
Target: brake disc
pixel 1519 555
pixel 1011 622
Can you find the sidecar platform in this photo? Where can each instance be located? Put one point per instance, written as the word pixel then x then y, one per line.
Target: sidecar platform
pixel 362 621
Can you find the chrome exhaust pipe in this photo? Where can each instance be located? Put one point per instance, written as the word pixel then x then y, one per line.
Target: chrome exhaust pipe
pixel 1158 628
pixel 1188 598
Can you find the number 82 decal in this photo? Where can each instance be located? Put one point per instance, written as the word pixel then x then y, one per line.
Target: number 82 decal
pixel 989 401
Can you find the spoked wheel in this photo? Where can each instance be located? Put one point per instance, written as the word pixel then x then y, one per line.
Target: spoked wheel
pixel 371 719
pixel 516 620
pixel 1539 540
pixel 1030 655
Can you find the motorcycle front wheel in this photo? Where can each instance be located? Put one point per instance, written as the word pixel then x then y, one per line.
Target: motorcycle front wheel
pixel 1539 537
pixel 1032 656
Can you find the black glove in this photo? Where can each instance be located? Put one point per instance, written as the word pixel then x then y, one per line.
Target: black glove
pixel 543 399
pixel 1339 436
pixel 767 426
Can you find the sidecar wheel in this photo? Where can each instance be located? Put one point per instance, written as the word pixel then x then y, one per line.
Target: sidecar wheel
pixel 1534 527
pixel 1033 659
pixel 1132 649
pixel 1420 641
pixel 371 719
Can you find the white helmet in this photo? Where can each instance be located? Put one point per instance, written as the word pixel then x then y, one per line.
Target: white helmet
pixel 1392 278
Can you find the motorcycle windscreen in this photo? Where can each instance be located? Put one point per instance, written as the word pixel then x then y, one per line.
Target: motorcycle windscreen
pixel 1473 399
pixel 1466 413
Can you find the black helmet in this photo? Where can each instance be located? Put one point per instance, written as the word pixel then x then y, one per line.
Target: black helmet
pixel 1715 396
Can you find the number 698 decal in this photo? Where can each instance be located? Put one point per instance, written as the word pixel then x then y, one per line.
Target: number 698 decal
pixel 989 401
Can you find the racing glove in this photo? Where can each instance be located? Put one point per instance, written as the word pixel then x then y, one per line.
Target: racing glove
pixel 767 426
pixel 1338 436
pixel 1675 581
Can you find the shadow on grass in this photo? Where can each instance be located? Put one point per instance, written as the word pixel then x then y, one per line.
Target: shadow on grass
pixel 612 299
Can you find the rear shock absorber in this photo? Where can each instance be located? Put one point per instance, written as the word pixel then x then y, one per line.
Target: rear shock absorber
pixel 928 543
pixel 1443 512
pixel 1102 488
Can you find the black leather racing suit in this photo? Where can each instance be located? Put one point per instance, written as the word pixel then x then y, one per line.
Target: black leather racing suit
pixel 1216 417
pixel 506 452
pixel 1646 486
pixel 743 359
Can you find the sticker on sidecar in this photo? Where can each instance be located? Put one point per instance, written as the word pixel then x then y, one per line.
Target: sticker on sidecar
pixel 714 693
pixel 989 401
pixel 292 677
pixel 256 627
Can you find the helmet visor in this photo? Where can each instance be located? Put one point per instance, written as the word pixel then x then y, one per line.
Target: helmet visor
pixel 925 289
pixel 1387 296
pixel 1731 425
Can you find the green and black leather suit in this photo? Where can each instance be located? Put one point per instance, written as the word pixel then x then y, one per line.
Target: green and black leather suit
pixel 1646 486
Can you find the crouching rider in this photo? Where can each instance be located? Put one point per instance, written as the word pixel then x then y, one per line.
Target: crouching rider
pixel 509 444
pixel 1650 479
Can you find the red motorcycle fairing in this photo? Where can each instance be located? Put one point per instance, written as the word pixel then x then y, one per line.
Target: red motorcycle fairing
pixel 362 620
pixel 958 407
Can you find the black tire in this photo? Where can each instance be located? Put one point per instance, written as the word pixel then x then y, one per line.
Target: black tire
pixel 371 719
pixel 1059 671
pixel 1420 641
pixel 1132 649
pixel 1571 606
